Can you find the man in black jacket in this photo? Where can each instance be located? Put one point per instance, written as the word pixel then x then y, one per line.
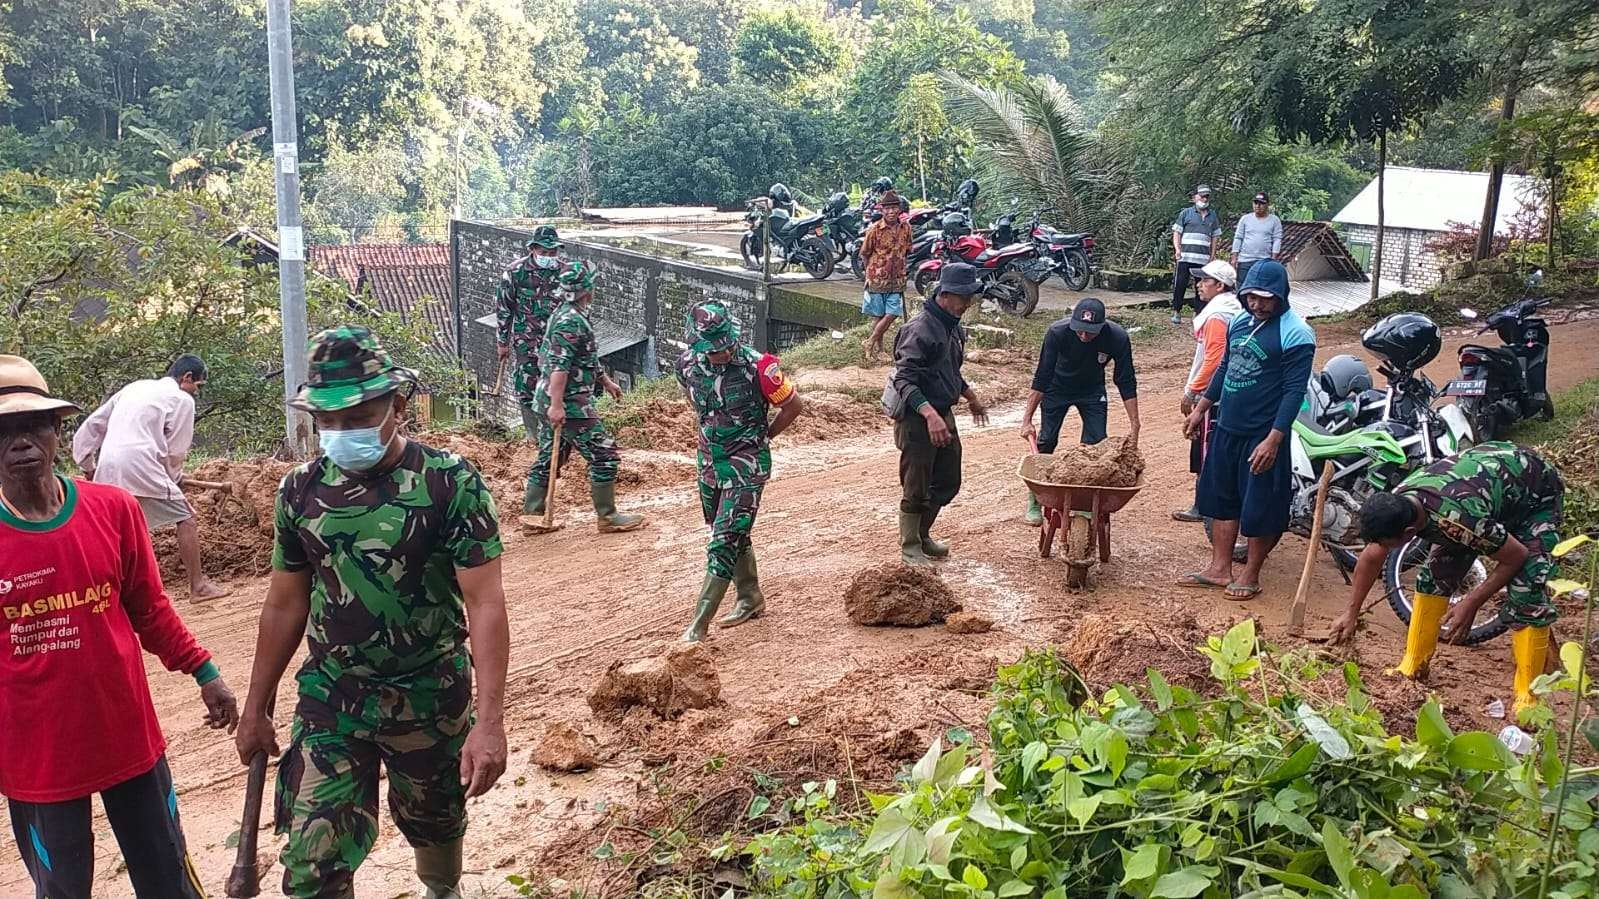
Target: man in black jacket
pixel 1071 372
pixel 928 353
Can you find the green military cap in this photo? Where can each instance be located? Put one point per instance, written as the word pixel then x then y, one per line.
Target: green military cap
pixel 347 367
pixel 544 236
pixel 713 327
pixel 578 275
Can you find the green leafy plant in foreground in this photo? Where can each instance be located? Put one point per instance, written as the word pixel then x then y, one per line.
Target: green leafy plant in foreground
pixel 1269 787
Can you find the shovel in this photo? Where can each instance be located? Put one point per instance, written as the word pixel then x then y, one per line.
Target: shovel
pixel 499 380
pixel 547 524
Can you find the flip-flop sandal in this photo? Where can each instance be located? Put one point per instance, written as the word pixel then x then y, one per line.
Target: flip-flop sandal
pixel 1239 593
pixel 1198 581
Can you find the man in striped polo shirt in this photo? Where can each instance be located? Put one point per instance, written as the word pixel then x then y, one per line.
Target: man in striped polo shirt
pixel 1193 241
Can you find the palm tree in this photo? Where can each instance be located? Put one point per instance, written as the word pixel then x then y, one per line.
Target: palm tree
pixel 1031 144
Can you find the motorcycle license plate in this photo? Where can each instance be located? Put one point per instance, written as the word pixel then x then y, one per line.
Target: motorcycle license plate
pixel 1466 388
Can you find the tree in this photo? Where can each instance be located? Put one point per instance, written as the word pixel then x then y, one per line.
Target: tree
pixel 356 191
pixel 639 60
pixel 782 48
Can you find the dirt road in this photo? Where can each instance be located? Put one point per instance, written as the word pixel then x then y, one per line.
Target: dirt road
pixel 578 602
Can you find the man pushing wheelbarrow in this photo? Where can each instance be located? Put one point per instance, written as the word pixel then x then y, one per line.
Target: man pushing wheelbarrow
pixel 1077 492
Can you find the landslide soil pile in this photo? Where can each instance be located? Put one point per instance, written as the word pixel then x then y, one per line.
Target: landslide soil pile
pixel 670 425
pixel 1109 649
pixel 900 595
pixel 1108 464
pixel 235 528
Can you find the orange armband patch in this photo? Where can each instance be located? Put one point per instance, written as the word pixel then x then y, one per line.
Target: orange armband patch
pixel 775 386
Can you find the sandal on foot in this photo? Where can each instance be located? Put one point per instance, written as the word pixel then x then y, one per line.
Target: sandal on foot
pixel 1198 581
pixel 1241 592
pixel 1189 514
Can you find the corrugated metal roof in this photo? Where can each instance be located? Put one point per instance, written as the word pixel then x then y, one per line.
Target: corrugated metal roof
pixel 614 338
pixel 1433 199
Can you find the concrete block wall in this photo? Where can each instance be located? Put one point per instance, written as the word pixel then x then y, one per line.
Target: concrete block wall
pixel 1405 257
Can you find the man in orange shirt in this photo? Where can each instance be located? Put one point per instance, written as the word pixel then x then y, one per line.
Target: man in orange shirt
pixel 883 253
pixel 1218 305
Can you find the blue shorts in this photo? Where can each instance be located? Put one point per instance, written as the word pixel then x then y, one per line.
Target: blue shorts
pixel 878 305
pixel 1230 492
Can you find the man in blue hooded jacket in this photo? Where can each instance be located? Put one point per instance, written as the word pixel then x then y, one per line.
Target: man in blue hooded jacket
pixel 1246 483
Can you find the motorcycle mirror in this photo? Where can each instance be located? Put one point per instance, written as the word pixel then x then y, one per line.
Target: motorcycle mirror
pixel 1468 313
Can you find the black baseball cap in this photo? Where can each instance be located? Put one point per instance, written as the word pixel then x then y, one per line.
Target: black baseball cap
pixel 1260 197
pixel 1089 316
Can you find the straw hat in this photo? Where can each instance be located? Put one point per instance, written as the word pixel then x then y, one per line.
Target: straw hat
pixel 22 389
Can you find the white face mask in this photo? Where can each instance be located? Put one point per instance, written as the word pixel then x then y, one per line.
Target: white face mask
pixel 1201 204
pixel 546 262
pixel 357 449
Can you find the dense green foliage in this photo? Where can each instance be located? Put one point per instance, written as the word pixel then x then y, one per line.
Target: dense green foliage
pixel 521 105
pixel 1272 783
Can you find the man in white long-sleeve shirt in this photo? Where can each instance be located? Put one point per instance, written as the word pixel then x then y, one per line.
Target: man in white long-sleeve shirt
pixel 138 440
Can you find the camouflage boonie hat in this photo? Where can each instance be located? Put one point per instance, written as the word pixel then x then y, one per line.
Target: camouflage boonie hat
pixel 714 328
pixel 578 275
pixel 544 236
pixel 347 367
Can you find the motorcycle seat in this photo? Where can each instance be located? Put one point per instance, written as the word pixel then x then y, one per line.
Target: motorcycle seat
pixel 1327 446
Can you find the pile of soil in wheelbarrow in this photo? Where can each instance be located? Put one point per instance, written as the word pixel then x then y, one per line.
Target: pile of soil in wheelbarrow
pixel 899 595
pixel 1108 464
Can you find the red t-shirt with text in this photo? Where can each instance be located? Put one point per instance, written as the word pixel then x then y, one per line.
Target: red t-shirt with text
pixel 78 595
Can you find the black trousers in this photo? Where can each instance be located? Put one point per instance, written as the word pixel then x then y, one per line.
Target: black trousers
pixel 1181 279
pixel 1095 414
pixel 929 476
pixel 56 840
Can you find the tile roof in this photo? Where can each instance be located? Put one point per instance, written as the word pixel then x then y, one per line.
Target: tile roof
pixel 345 261
pixel 1432 199
pixel 1300 236
pixel 404 289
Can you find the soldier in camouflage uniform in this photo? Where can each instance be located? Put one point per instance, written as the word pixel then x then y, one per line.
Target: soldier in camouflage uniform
pixel 572 371
pixel 731 387
pixel 522 306
pixel 1494 499
pixel 386 558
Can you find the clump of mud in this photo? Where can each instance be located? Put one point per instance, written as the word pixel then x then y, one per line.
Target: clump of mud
pixel 968 623
pixel 1108 464
pixel 235 526
pixel 564 748
pixel 1110 649
pixel 681 679
pixel 898 594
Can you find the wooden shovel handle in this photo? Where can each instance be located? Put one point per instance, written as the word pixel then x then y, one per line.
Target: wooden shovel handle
pixel 555 470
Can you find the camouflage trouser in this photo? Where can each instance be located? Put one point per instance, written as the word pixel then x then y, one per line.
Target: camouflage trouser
pixel 1526 602
pixel 730 511
pixel 526 378
pixel 327 792
pixel 588 436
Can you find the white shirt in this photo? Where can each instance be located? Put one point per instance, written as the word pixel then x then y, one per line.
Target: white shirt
pixel 142 436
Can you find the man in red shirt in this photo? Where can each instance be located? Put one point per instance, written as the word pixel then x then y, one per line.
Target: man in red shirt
pixel 79 594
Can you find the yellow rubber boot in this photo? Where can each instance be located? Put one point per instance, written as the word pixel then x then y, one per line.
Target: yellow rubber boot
pixel 1422 639
pixel 1530 646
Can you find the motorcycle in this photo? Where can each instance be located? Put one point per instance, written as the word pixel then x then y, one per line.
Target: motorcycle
pixel 1499 386
pixel 1009 275
pixel 842 227
pixel 1071 255
pixel 801 242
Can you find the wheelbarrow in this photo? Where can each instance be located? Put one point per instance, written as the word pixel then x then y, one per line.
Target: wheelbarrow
pixel 1086 537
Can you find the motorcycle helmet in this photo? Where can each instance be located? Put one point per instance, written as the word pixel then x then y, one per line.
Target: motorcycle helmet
pixel 836 204
pixel 1408 340
pixel 967 192
pixel 955 224
pixel 1344 376
pixel 780 194
pixel 883 183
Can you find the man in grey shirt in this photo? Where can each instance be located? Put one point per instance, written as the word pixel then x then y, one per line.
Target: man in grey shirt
pixel 1259 236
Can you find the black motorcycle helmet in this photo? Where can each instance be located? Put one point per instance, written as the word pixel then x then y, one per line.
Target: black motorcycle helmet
pixel 967 192
pixel 955 224
pixel 836 204
pixel 1407 340
pixel 780 194
pixel 883 183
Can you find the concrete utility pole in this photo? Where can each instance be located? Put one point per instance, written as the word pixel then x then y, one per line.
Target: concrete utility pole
pixel 291 237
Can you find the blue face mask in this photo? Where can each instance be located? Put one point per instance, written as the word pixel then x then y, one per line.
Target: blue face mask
pixel 356 449
pixel 546 262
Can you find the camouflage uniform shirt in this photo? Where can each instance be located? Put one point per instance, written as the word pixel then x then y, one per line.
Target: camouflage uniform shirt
pixel 732 401
pixel 1480 497
pixel 522 306
pixel 570 346
pixel 383 548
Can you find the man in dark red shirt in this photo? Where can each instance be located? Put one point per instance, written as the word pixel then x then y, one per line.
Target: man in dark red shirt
pixel 79 594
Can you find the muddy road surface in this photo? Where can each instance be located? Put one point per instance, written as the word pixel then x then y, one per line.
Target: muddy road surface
pixel 803 676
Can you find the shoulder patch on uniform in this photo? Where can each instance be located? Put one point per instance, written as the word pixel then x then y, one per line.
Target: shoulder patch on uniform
pixel 1459 533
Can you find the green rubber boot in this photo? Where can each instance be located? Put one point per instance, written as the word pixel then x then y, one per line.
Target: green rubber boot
pixel 932 548
pixel 711 594
pixel 751 603
pixel 606 517
pixel 533 498
pixel 910 539
pixel 439 869
pixel 1035 514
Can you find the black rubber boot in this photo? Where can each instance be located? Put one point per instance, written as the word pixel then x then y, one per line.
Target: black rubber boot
pixel 533 498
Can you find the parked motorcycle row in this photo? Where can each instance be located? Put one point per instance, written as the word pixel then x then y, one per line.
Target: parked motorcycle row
pixel 1372 437
pixel 1011 263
